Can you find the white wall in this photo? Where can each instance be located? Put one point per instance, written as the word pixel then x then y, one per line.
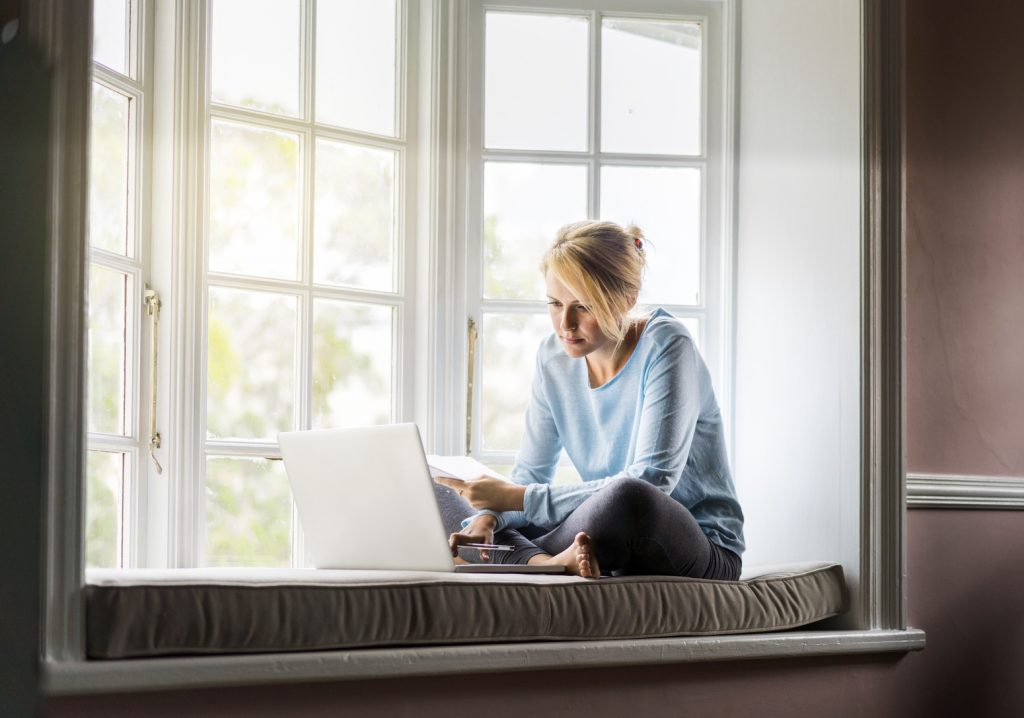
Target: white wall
pixel 798 280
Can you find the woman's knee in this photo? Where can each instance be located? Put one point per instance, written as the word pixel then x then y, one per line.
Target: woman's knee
pixel 632 493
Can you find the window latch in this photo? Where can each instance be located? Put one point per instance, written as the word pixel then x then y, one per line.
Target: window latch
pixel 152 302
pixel 471 360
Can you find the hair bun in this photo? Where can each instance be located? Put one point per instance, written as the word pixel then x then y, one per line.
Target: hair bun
pixel 638 236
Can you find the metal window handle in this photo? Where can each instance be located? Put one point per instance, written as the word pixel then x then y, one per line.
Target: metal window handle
pixel 471 359
pixel 152 302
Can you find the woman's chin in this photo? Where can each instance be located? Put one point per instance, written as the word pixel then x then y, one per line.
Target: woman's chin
pixel 575 350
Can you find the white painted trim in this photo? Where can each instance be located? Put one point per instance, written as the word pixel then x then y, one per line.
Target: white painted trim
pixel 965 492
pixel 881 589
pixel 188 263
pixel 163 673
pixel 436 308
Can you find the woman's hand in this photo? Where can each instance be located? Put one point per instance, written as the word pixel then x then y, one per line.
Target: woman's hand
pixel 479 530
pixel 485 493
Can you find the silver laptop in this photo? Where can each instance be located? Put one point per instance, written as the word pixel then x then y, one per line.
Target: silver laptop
pixel 365 501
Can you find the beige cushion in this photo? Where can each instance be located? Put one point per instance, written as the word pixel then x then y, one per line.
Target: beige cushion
pixel 221 611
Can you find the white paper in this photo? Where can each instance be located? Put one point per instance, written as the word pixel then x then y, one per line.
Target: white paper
pixel 460 467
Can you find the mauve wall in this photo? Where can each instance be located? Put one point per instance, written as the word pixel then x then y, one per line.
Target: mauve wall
pixel 965 237
pixel 965 270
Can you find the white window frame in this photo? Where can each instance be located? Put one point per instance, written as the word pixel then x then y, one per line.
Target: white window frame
pixel 713 161
pixel 187 505
pixel 55 26
pixel 137 84
pixel 172 505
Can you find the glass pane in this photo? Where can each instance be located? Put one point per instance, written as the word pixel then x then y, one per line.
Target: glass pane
pixel 110 34
pixel 665 203
pixel 524 205
pixel 251 364
pixel 248 513
pixel 110 326
pixel 108 169
pixel 354 228
pixel 255 54
pixel 508 349
pixel 104 492
pixel 650 86
pixel 355 64
pixel 353 363
pixel 536 80
pixel 254 201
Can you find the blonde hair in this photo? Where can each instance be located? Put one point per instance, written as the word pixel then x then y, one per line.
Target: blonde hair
pixel 602 264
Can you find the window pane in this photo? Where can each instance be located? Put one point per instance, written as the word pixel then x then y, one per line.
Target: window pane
pixel 508 349
pixel 524 205
pixel 255 54
pixel 104 492
pixel 650 86
pixel 354 233
pixel 248 513
pixel 251 364
pixel 352 364
pixel 537 75
pixel 254 201
pixel 110 34
pixel 110 327
pixel 355 64
pixel 108 170
pixel 665 203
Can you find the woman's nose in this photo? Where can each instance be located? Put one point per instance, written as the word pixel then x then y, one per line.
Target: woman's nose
pixel 567 320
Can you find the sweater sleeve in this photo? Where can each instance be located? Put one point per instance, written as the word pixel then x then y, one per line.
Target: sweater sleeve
pixel 673 390
pixel 538 454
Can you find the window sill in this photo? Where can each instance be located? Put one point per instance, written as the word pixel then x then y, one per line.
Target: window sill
pixel 82 677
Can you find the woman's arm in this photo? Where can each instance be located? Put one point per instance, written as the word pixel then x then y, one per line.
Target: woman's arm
pixel 538 454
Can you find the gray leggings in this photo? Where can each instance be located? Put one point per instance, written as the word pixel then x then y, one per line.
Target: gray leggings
pixel 636 530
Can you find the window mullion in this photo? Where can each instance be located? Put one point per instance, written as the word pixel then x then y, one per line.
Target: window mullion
pixel 304 352
pixel 306 299
pixel 594 144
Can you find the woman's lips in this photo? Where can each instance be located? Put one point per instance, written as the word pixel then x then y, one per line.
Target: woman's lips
pixel 570 340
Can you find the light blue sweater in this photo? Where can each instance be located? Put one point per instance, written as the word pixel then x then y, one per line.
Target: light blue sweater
pixel 656 420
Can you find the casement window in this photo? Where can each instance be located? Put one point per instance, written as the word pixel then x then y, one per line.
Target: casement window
pixel 118 455
pixel 284 286
pixel 304 249
pixel 589 111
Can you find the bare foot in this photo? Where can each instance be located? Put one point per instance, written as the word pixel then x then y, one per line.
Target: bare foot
pixel 579 559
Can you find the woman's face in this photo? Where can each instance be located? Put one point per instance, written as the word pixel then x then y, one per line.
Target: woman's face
pixel 575 326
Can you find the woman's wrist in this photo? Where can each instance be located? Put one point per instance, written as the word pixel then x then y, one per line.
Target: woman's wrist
pixel 485 521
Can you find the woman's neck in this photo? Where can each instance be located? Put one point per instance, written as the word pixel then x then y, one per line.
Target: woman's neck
pixel 603 366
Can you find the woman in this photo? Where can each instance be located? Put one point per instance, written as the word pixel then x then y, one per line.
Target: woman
pixel 630 400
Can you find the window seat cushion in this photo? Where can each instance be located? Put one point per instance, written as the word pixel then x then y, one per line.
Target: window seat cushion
pixel 141 613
